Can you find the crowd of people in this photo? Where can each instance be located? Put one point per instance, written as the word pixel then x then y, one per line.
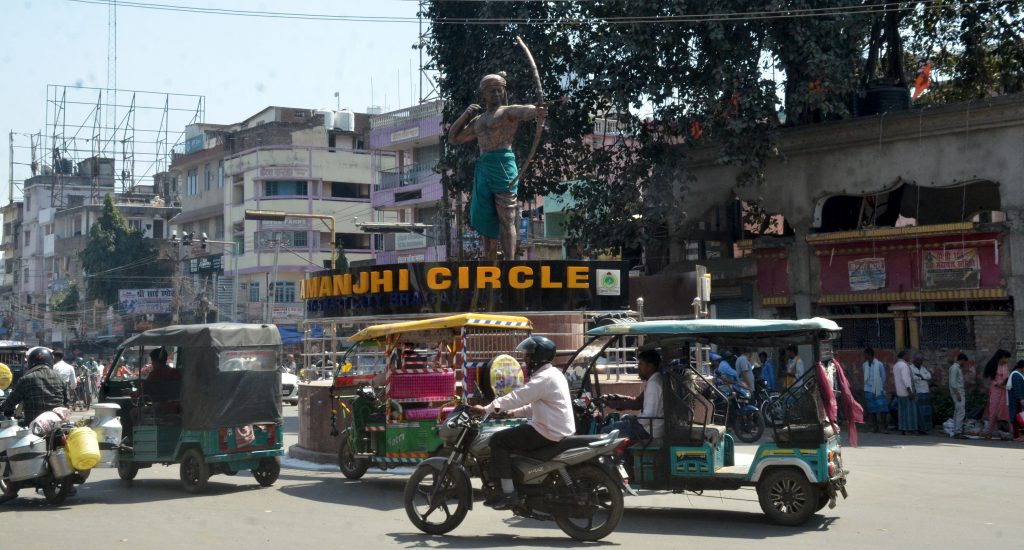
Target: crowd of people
pixel 912 409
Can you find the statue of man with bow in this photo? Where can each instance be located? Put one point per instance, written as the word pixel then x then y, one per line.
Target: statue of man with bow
pixel 494 207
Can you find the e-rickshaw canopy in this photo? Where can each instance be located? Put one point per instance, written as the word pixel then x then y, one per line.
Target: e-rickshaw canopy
pixel 451 322
pixel 736 332
pixel 229 372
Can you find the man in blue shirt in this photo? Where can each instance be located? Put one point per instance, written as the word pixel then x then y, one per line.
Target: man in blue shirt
pixel 767 370
pixel 723 370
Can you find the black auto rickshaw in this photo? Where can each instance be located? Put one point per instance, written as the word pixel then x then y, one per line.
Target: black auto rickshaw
pixel 207 397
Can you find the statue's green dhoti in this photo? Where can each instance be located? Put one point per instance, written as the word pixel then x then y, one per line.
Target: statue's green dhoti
pixel 492 210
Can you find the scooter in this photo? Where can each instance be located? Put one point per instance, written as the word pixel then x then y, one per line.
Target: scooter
pixel 30 461
pixel 575 482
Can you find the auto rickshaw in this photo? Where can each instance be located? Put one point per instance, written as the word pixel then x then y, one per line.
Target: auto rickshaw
pixel 388 417
pixel 207 397
pixel 796 474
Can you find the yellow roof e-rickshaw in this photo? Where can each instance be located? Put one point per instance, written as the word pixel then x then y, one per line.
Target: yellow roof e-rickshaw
pixel 386 414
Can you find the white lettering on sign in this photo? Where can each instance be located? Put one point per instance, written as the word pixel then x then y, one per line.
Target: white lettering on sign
pixel 402 135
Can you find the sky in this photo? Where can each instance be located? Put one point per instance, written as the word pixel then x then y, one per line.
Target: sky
pixel 240 64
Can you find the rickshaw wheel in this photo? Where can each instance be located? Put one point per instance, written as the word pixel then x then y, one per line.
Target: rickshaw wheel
pixel 127 470
pixel 194 471
pixel 351 467
pixel 56 490
pixel 787 497
pixel 267 472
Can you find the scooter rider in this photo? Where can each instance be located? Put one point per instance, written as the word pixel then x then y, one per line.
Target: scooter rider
pixel 545 399
pixel 40 389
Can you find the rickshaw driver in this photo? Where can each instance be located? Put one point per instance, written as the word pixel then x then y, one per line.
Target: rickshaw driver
pixel 650 402
pixel 545 399
pixel 161 371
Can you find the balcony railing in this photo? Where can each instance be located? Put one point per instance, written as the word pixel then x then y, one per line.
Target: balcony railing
pixel 416 112
pixel 405 176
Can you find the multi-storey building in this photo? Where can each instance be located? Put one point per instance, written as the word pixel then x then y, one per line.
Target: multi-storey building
pixel 44 233
pixel 409 190
pixel 296 161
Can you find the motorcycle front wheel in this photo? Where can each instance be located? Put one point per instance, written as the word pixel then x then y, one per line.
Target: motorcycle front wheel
pixel 603 510
pixel 750 428
pixel 449 506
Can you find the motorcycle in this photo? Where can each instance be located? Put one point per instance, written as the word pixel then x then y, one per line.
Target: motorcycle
pixel 768 402
pixel 30 461
pixel 575 482
pixel 744 416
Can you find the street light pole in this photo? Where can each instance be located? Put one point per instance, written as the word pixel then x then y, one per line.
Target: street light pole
pixel 280 216
pixel 272 299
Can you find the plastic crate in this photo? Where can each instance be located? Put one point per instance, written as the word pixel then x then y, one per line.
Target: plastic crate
pixel 437 385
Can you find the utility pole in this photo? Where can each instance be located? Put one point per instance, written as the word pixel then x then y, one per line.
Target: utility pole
pixel 272 287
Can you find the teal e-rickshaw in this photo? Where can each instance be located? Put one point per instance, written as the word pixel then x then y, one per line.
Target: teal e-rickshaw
pixel 796 474
pixel 206 397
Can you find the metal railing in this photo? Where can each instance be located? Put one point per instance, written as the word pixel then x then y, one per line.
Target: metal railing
pixel 404 176
pixel 416 112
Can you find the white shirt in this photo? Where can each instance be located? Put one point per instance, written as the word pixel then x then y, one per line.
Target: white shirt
pixel 67 372
pixel 921 378
pixel 652 417
pixel 544 398
pixel 901 378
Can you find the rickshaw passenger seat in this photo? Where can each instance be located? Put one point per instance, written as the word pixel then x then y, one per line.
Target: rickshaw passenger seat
pixel 714 433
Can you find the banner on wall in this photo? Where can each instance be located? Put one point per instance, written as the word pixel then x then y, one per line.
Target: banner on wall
pixel 952 268
pixel 866 274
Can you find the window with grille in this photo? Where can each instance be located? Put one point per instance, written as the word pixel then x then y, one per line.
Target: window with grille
pixel 284 291
pixel 254 291
pixel 860 333
pixel 285 188
pixel 947 332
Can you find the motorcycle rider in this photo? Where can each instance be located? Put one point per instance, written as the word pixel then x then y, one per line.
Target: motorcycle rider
pixel 40 389
pixel 545 399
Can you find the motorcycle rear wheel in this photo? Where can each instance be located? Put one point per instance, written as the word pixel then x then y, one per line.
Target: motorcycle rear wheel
pixel 455 490
pixel 7 491
pixel 57 490
pixel 604 497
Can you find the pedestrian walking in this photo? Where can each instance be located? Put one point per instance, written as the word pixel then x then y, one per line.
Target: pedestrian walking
pixel 905 396
pixel 958 394
pixel 997 371
pixel 874 391
pixel 1015 399
pixel 922 379
pixel 67 372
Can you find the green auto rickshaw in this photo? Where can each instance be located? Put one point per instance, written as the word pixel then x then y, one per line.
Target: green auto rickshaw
pixel 206 397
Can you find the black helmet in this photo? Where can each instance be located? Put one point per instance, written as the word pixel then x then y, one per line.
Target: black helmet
pixel 537 350
pixel 39 356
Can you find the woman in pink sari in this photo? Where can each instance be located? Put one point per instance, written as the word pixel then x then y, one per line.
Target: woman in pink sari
pixel 996 371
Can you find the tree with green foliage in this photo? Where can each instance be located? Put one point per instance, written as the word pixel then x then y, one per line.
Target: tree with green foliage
pixel 675 75
pixel 68 301
pixel 117 256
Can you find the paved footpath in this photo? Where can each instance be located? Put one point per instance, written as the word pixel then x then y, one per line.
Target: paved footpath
pixel 905 492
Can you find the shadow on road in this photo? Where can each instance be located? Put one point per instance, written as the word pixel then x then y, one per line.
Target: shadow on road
pixel 713 523
pixel 494 540
pixel 382 494
pixel 115 492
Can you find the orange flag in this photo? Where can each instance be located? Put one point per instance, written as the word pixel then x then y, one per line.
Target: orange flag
pixel 695 130
pixel 923 80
